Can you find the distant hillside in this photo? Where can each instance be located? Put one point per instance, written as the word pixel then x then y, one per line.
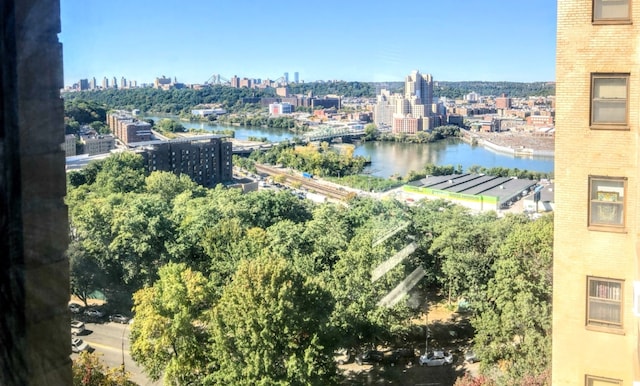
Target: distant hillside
pixel 457 90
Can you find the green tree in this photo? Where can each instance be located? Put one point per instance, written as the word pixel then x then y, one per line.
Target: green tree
pixel 270 328
pixel 87 370
pixel 167 185
pixel 514 323
pixel 121 172
pixel 169 337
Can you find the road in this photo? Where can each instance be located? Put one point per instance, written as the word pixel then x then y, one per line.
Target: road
pixel 111 343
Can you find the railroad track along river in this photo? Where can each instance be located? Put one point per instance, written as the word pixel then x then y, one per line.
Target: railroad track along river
pixel 308 183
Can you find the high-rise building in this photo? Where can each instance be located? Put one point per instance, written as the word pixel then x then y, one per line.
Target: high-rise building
pixel 208 162
pixel 415 104
pixel 596 269
pixel 296 77
pixel 286 78
pixel 123 82
pixel 83 84
pixel 105 83
pixel 114 82
pixel 92 83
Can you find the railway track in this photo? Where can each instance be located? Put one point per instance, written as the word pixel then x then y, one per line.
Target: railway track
pixel 308 183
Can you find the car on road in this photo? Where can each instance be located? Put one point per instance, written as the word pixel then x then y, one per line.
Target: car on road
pixel 75 308
pixel 370 357
pixel 402 355
pixel 79 345
pixel 436 358
pixel 77 327
pixel 119 318
pixel 93 313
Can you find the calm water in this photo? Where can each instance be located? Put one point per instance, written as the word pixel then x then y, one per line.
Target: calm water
pixel 390 158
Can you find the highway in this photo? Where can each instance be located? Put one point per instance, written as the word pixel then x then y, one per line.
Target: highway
pixel 111 343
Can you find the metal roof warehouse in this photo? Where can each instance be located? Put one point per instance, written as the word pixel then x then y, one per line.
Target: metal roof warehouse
pixel 476 191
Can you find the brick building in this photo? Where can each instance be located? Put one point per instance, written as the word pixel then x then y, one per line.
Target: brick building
pixel 597 222
pixel 206 161
pixel 128 129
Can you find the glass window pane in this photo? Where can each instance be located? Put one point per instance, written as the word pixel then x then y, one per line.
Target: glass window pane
pixel 610 88
pixel 604 302
pixel 611 9
pixel 607 190
pixel 609 112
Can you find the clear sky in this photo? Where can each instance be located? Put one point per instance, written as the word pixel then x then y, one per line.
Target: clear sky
pixel 352 40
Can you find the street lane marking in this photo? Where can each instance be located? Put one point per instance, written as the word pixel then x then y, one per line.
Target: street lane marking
pixel 105 347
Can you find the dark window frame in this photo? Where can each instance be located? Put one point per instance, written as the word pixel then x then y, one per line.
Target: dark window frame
pixel 596 101
pixel 608 297
pixel 610 200
pixel 615 20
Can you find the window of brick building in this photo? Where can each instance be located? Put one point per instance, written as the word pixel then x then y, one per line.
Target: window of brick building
pixel 606 202
pixel 591 380
pixel 611 11
pixel 604 302
pixel 609 94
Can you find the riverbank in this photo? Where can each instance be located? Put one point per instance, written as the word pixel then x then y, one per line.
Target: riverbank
pixel 513 143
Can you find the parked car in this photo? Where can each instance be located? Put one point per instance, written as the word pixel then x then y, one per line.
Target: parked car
pixel 471 357
pixel 77 327
pixel 119 318
pixel 79 345
pixel 93 313
pixel 75 308
pixel 370 357
pixel 436 358
pixel 342 356
pixel 400 355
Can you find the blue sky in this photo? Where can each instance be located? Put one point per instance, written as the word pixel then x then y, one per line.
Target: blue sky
pixel 353 40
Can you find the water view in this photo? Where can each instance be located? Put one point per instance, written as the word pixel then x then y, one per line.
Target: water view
pixel 394 158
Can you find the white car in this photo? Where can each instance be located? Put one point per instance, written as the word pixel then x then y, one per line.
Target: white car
pixel 79 345
pixel 77 327
pixel 436 358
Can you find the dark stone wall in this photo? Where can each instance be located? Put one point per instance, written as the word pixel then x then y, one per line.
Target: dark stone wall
pixel 34 272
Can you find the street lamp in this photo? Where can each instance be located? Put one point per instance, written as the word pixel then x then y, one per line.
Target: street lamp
pixel 426 325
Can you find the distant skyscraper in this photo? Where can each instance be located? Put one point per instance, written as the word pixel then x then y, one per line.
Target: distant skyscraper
pixel 83 84
pixel 420 86
pixel 115 82
pixel 286 77
pixel 105 83
pixel 123 82
pixel 410 112
pixel 296 77
pixel 92 83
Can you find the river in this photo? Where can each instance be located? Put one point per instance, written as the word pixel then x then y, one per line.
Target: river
pixel 395 158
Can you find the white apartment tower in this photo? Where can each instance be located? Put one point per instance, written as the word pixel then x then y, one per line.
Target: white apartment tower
pixel 415 103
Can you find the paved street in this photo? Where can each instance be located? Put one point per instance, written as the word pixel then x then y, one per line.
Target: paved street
pixel 111 342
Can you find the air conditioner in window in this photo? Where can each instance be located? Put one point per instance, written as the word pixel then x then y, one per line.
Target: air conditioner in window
pixel 636 299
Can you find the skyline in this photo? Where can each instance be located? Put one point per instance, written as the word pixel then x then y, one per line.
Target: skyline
pixel 459 40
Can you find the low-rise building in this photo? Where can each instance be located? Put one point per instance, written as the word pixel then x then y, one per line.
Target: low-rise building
pixel 97 144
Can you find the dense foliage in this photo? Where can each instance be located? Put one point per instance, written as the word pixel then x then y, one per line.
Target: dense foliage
pixel 456 90
pixel 80 112
pixel 88 370
pixel 259 288
pixel 318 160
pixel 168 101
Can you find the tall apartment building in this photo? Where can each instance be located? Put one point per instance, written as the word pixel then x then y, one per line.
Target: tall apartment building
pixel 398 110
pixel 128 129
pixel 207 162
pixel 597 168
